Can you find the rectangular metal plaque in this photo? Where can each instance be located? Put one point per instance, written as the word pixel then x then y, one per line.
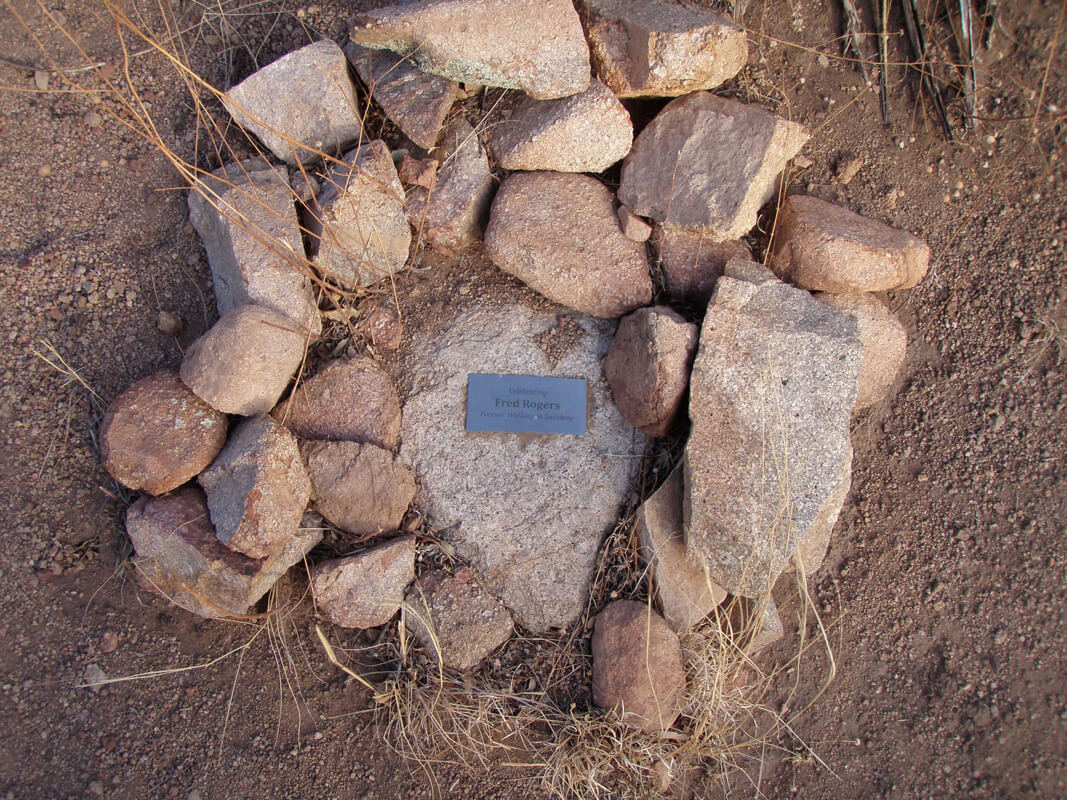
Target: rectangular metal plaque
pixel 525 404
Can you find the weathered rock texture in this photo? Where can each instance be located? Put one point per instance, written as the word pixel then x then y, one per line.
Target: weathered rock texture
pixel 527 512
pixel 348 400
pixel 648 367
pixel 359 487
pixel 416 101
pixel 771 397
pixel 302 103
pixel 245 360
pixel 708 162
pixel 257 488
pixel 452 215
pixel 179 556
pixel 533 45
pixel 691 261
pixel 586 132
pixel 686 595
pixel 812 548
pixel 559 234
pixel 827 248
pixel 365 590
pixel 157 434
pixel 247 221
pixel 885 343
pixel 456 621
pixel 358 225
pixel 637 666
pixel 632 226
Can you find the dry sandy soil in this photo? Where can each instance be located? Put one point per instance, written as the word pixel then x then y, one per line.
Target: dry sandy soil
pixel 944 587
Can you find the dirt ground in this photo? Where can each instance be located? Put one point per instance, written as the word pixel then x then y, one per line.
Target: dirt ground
pixel 944 588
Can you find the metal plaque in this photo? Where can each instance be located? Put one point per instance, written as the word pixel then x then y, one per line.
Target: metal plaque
pixel 525 404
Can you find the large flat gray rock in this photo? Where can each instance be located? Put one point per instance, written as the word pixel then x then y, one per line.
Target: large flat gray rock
pixel 527 512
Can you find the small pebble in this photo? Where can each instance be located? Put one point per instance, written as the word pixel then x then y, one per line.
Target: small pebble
pixel 95 677
pixel 109 642
pixel 91 119
pixel 169 323
pixel 41 79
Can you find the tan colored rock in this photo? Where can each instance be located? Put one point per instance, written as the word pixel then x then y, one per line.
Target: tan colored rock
pixel 451 215
pixel 157 434
pixel 322 115
pixel 771 396
pixel 885 343
pixel 586 132
pixel 247 220
pixel 691 261
pixel 826 248
pixel 348 400
pixel 558 233
pixel 416 101
pixel 708 162
pixel 685 593
pixel 257 489
pixel 533 45
pixel 648 367
pixel 455 620
pixel 358 227
pixel 632 226
pixel 637 666
pixel 179 556
pixel 244 362
pixel 367 589
pixel 359 487
pixel 658 48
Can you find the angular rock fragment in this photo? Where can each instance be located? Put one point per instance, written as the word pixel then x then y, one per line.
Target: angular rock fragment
pixel 657 48
pixel 686 595
pixel 322 115
pixel 632 226
pixel 451 215
pixel 247 221
pixel 348 400
pixel 692 261
pixel 637 666
pixel 885 343
pixel 708 162
pixel 528 513
pixel 416 101
pixel 648 367
pixel 179 556
pixel 558 233
pixel 758 623
pixel 417 172
pixel 827 248
pixel 245 360
pixel 812 548
pixel 360 488
pixel 771 396
pixel 455 621
pixel 359 231
pixel 586 132
pixel 257 488
pixel 157 434
pixel 533 45
pixel 367 589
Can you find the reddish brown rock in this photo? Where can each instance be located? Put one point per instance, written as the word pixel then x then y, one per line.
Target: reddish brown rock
pixel 348 400
pixel 648 367
pixel 456 621
pixel 885 343
pixel 359 487
pixel 691 261
pixel 685 593
pixel 157 434
pixel 632 226
pixel 533 45
pixel 637 666
pixel 417 171
pixel 826 248
pixel 257 488
pixel 179 556
pixel 367 589
pixel 708 162
pixel 559 234
pixel 244 362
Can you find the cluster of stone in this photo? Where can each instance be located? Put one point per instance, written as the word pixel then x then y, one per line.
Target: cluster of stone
pixel 769 374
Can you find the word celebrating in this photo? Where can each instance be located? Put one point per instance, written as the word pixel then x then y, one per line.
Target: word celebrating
pixel 525 404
